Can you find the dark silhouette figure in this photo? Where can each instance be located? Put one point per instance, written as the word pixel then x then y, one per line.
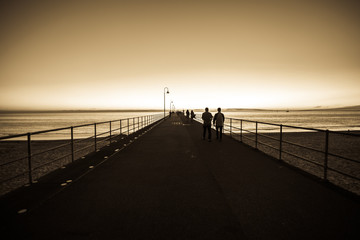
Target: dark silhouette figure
pixel 207 117
pixel 192 114
pixel 187 113
pixel 218 121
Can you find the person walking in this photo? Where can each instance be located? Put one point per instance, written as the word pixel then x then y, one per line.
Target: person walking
pixel 192 114
pixel 187 113
pixel 207 117
pixel 218 121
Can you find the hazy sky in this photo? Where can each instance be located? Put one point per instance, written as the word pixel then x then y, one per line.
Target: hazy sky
pixel 121 54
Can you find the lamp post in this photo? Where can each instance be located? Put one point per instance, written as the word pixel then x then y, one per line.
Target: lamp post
pixel 165 92
pixel 170 107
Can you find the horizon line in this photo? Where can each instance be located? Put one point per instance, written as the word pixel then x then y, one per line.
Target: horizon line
pixel 352 107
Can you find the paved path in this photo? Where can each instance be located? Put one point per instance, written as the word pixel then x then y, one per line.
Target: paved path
pixel 170 184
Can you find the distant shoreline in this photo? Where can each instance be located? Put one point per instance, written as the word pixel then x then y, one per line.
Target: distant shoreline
pixel 78 111
pixel 348 108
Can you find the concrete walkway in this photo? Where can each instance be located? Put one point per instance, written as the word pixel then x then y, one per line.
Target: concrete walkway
pixel 171 184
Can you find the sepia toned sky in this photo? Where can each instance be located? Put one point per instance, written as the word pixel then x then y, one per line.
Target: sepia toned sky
pixel 233 54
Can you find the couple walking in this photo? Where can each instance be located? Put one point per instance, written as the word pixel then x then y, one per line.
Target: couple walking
pixel 218 121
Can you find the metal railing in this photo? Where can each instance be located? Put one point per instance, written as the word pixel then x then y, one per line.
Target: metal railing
pixel 333 156
pixel 23 158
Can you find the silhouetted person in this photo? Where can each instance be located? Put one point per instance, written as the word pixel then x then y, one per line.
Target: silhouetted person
pixel 207 117
pixel 192 114
pixel 187 113
pixel 218 121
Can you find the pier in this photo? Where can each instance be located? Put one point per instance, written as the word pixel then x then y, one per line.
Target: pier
pixel 165 182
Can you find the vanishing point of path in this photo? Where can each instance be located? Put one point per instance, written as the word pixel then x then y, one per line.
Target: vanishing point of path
pixel 171 184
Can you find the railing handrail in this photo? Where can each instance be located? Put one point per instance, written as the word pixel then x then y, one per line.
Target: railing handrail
pixel 67 150
pixel 230 126
pixel 69 127
pixel 297 127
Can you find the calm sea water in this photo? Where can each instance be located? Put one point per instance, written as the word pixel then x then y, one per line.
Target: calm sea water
pixel 20 123
pixel 332 120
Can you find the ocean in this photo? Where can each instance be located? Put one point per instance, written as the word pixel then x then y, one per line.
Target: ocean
pixel 19 123
pixel 331 120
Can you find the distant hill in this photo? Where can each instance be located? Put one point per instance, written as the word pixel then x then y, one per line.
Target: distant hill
pixel 319 108
pixel 348 108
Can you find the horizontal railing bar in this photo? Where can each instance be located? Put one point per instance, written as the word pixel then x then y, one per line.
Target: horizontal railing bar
pixel 345 174
pixel 248 131
pixel 248 138
pixel 344 133
pixel 134 124
pixel 345 158
pixel 265 144
pixel 13 136
pixel 304 128
pixel 13 161
pixel 304 159
pixel 84 125
pixel 55 160
pixel 51 149
pixel 265 136
pixel 83 139
pixel 103 140
pixel 103 133
pixel 273 124
pixel 83 148
pixel 65 128
pixel 13 177
pixel 51 130
pixel 298 145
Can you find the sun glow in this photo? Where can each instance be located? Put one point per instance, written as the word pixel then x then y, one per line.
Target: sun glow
pixel 122 55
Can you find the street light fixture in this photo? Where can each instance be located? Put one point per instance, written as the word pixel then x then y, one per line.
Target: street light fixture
pixel 167 92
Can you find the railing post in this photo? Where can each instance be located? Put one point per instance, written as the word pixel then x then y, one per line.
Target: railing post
pixel 256 136
pixel 72 144
pixel 230 127
pixel 128 127
pixel 95 135
pixel 120 127
pixel 241 123
pixel 29 156
pixel 280 147
pixel 110 132
pixel 133 127
pixel 326 154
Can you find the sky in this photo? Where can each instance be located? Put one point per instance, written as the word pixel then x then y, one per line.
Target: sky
pixel 66 55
